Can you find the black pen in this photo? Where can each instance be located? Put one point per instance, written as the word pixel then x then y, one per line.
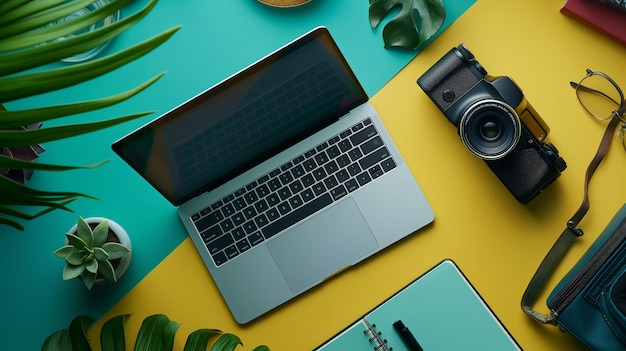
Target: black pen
pixel 407 336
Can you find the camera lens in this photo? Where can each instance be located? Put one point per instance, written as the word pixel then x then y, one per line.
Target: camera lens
pixel 490 129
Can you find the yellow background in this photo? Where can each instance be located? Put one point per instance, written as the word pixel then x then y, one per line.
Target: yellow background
pixel 496 242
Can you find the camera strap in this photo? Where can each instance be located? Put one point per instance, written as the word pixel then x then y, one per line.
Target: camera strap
pixel 558 250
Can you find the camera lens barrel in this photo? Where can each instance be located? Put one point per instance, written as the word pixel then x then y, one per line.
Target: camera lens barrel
pixel 490 129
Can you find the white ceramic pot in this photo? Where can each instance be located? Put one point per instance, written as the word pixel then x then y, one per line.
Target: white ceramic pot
pixel 122 235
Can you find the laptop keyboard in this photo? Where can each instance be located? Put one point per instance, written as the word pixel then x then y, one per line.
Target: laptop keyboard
pixel 292 192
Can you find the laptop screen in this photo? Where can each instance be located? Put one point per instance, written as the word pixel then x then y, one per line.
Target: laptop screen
pixel 247 118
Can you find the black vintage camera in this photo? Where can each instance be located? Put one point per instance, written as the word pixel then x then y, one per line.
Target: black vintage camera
pixel 495 122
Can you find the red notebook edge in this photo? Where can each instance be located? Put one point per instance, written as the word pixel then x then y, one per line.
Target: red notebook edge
pixel 599 17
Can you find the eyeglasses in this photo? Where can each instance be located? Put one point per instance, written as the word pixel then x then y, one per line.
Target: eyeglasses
pixel 602 98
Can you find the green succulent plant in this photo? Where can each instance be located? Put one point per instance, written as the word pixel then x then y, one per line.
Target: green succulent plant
pixel 28 44
pixel 156 333
pixel 88 253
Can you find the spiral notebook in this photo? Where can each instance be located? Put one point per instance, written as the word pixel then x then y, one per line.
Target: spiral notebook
pixel 439 311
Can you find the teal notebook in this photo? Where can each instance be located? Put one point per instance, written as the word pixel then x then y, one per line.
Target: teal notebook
pixel 441 310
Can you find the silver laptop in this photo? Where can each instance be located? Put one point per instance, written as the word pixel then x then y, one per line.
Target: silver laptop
pixel 283 173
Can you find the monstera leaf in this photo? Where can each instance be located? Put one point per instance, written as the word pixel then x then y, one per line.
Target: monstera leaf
pixel 417 21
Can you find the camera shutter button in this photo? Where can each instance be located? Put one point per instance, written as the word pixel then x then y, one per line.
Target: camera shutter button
pixel 448 95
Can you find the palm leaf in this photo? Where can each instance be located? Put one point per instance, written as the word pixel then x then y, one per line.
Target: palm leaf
pixel 15 119
pixel 78 334
pixel 12 138
pixel 32 55
pixel 12 163
pixel 112 334
pixel 226 342
pixel 25 85
pixel 34 20
pixel 57 341
pixel 199 339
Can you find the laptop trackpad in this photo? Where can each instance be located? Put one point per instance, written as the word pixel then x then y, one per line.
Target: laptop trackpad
pixel 322 245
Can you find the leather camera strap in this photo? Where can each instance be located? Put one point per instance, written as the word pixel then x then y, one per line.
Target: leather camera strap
pixel 558 250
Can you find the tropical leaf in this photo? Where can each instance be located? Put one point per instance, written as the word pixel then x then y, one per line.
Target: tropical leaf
pixel 416 22
pixel 78 333
pixel 15 119
pixel 58 341
pixel 226 342
pixel 155 334
pixel 22 55
pixel 199 339
pixel 112 336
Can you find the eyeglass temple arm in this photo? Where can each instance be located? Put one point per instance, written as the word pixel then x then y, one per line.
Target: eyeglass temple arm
pixel 591 90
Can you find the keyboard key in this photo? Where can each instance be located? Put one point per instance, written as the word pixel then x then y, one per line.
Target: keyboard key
pixel 355 154
pixel 363 178
pixel 261 220
pixel 238 233
pixel 345 145
pixel 238 219
pixel 239 203
pixel 352 185
pixel 321 158
pixel 249 227
pixel 261 206
pixel 321 146
pixel 375 171
pixel 295 201
pixel 319 174
pixel 298 172
pixel 363 135
pixel 208 221
pixel 274 184
pixel 284 193
pixel 388 164
pixel 333 152
pixel 374 158
pixel 263 190
pixel 353 169
pixel 273 200
pixel 283 208
pixel 309 165
pixel 255 238
pixel 227 225
pixel 219 258
pixel 228 210
pixel 286 178
pixel 307 195
pixel 249 212
pixel 296 186
pixel 211 233
pixel 319 189
pixel 243 245
pixel 220 243
pixel 308 180
pixel 272 214
pixel 296 216
pixel 331 182
pixel 251 197
pixel 343 161
pixel 331 167
pixel 371 145
pixel 231 252
pixel 338 192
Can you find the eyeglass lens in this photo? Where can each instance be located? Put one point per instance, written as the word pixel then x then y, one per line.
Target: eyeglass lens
pixel 598 96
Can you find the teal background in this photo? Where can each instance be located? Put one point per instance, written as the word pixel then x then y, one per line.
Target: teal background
pixel 217 39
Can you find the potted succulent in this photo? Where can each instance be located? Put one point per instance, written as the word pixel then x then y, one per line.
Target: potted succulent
pixel 157 332
pixel 97 250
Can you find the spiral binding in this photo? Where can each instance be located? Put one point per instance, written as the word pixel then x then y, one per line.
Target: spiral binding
pixel 375 337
